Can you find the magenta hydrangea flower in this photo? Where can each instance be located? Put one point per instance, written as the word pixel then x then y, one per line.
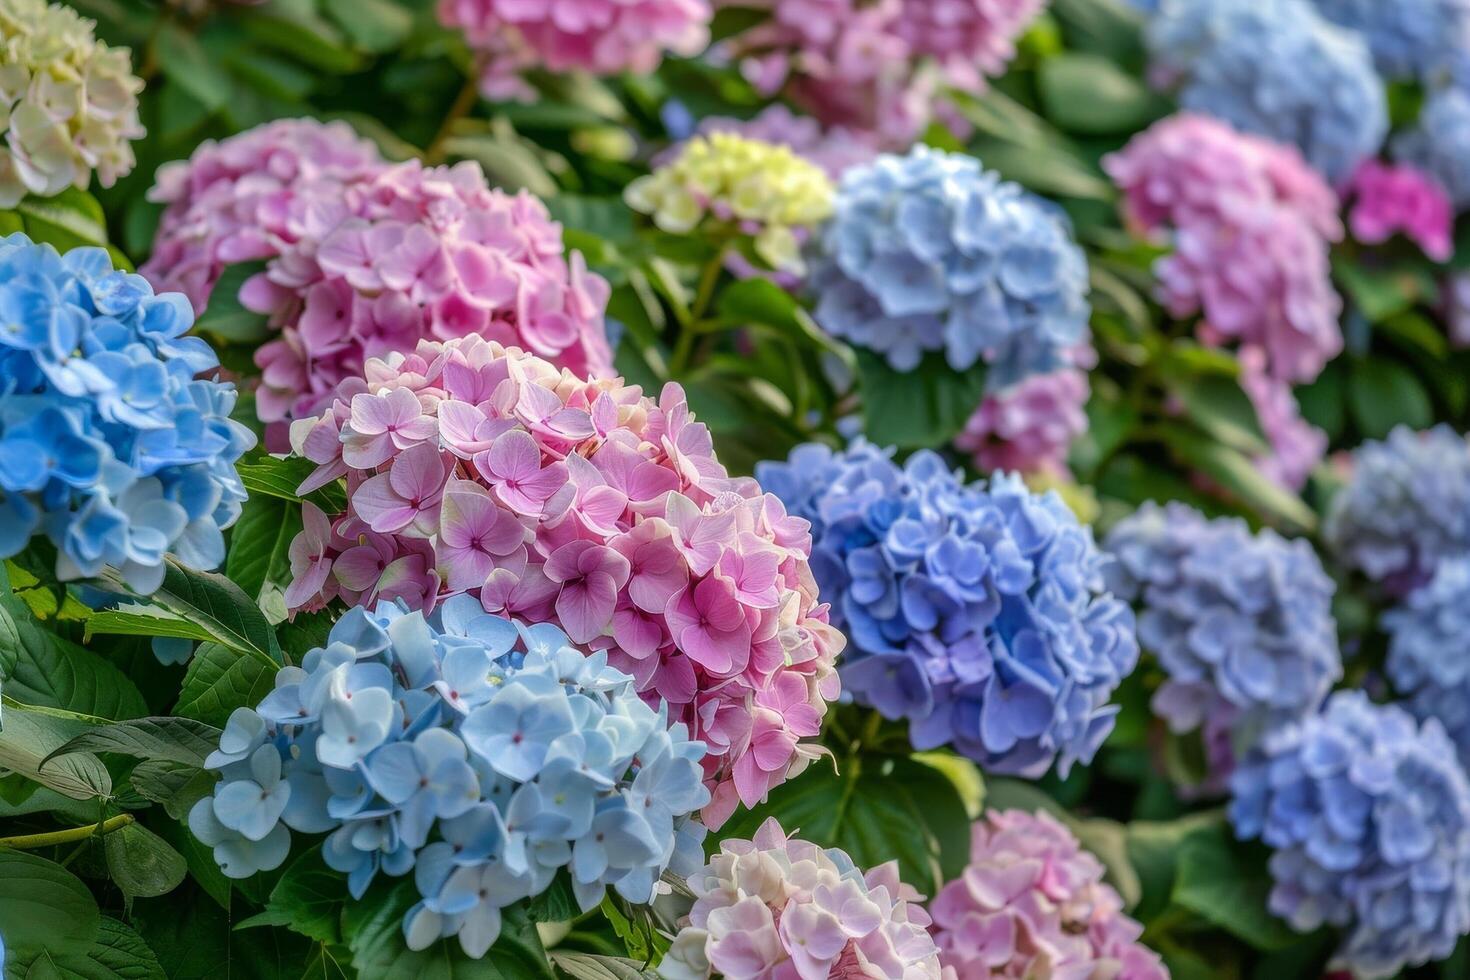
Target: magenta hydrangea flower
pixel 1297 446
pixel 776 907
pixel 604 37
pixel 1251 225
pixel 1029 427
pixel 1393 199
pixel 1032 903
pixel 479 469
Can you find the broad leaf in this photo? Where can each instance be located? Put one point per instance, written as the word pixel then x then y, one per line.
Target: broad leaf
pixel 28 735
pixel 277 477
pixel 43 905
pixel 926 407
pixel 168 739
pixel 219 680
pixel 216 604
pixel 308 899
pixel 175 785
pixel 137 619
pixel 260 544
pixel 585 966
pixel 225 317
pixel 1224 882
pixel 142 864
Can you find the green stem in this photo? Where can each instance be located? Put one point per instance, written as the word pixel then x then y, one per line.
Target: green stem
pixel 709 278
pixel 463 103
pixel 871 727
pixel 33 842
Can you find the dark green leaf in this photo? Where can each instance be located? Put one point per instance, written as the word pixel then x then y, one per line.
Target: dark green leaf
pixel 1222 409
pixel 1383 394
pixel 375 25
pixel 225 317
pixel 117 953
pixel 260 544
pixel 136 619
pixel 276 477
pixel 1237 474
pixel 309 899
pixel 169 739
pixel 187 65
pixel 215 603
pixel 204 871
pixel 1091 95
pixel 926 407
pixel 142 864
pixel 585 966
pixel 219 680
pixel 1153 849
pixel 27 735
pixel 1227 884
pixel 194 941
pixel 176 785
pixel 557 904
pixel 43 905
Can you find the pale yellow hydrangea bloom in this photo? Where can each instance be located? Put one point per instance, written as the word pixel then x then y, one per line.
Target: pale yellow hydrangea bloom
pixel 742 182
pixel 68 102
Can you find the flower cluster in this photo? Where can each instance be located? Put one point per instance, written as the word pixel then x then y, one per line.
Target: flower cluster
pixel 481 754
pixel 1410 38
pixel 834 150
pixel 1296 446
pixel 876 68
pixel 1405 509
pixel 1439 142
pixel 1276 68
pixel 604 37
pixel 476 469
pixel 1028 427
pixel 1033 903
pixel 1250 225
pixel 755 189
pixel 70 102
pixel 977 612
pixel 1369 816
pixel 931 252
pixel 365 260
pixel 774 906
pixel 1426 655
pixel 1390 200
pixel 1241 624
pixel 107 442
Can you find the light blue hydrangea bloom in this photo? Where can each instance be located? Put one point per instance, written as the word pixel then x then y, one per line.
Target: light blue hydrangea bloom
pixel 930 252
pixel 1405 509
pixel 1429 650
pixel 1276 68
pixel 1408 38
pixel 977 612
pixel 1241 623
pixel 1369 816
pixel 1439 141
pixel 109 444
pixel 481 755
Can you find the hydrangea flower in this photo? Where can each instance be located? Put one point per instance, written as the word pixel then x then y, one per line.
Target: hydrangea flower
pixel 725 182
pixel 1369 816
pixel 473 468
pixel 1033 903
pixel 1251 226
pixel 1405 508
pixel 1241 623
pixel 71 103
pixel 1296 446
pixel 931 252
pixel 108 443
pixel 478 753
pixel 1276 68
pixel 604 37
pixel 1409 38
pixel 1439 142
pixel 1390 200
pixel 977 612
pixel 1028 427
pixel 366 260
pixel 834 150
pixel 775 906
pixel 1426 650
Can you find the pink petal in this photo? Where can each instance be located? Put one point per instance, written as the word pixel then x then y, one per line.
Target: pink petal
pixel 585 609
pixel 383 509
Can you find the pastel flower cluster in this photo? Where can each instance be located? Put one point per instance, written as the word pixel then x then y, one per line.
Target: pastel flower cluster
pixel 775 906
pixel 1276 68
pixel 834 150
pixel 366 260
pixel 604 37
pixel 977 612
pixel 481 754
pixel 1390 200
pixel 877 69
pixel 1032 903
pixel 108 444
pixel 1409 38
pixel 1405 509
pixel 725 183
pixel 1439 141
pixel 1028 427
pixel 70 103
pixel 1241 623
pixel 1369 816
pixel 1296 446
pixel 476 469
pixel 1426 650
pixel 930 252
pixel 1250 226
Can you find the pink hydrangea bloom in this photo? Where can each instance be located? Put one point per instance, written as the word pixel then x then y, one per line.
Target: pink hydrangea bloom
pixel 1251 225
pixel 1388 200
pixel 601 36
pixel 475 468
pixel 1028 427
pixel 774 908
pixel 1032 903
pixel 1297 446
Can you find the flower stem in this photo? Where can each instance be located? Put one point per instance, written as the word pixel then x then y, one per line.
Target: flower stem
pixel 463 103
pixel 33 842
pixel 709 278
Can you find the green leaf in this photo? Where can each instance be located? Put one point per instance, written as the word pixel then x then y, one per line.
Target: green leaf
pixel 1091 95
pixel 1226 884
pixel 585 966
pixel 194 941
pixel 203 870
pixel 166 739
pixel 373 25
pixel 1233 471
pixel 28 735
pixel 142 864
pixel 65 220
pixel 558 903
pixel 308 899
pixel 1050 169
pixel 216 604
pixel 1380 293
pixel 1222 409
pixel 43 905
pixel 220 680
pixel 1153 850
pixel 1383 394
pixel 260 544
pixel 276 477
pixel 507 162
pixel 136 619
pixel 225 317
pixel 175 785
pixel 303 35
pixel 187 65
pixel 926 407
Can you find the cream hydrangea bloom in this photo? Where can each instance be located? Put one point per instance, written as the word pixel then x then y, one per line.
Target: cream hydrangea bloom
pixel 760 189
pixel 68 102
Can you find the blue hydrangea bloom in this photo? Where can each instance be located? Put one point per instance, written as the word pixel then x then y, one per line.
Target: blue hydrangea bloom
pixel 1405 509
pixel 1439 141
pixel 1408 38
pixel 109 443
pixel 1241 623
pixel 1276 68
pixel 977 612
pixel 931 252
pixel 481 755
pixel 1429 632
pixel 1369 816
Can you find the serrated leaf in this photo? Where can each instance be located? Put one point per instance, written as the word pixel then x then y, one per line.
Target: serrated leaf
pixel 309 899
pixel 141 863
pixel 116 953
pixel 175 785
pixel 260 544
pixel 277 477
pixel 218 681
pixel 166 739
pixel 137 619
pixel 586 966
pixel 28 735
pixel 216 604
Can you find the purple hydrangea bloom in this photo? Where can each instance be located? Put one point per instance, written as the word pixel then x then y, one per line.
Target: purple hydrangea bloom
pixel 1439 141
pixel 1428 633
pixel 931 252
pixel 1405 508
pixel 1241 623
pixel 1369 816
pixel 975 611
pixel 1408 38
